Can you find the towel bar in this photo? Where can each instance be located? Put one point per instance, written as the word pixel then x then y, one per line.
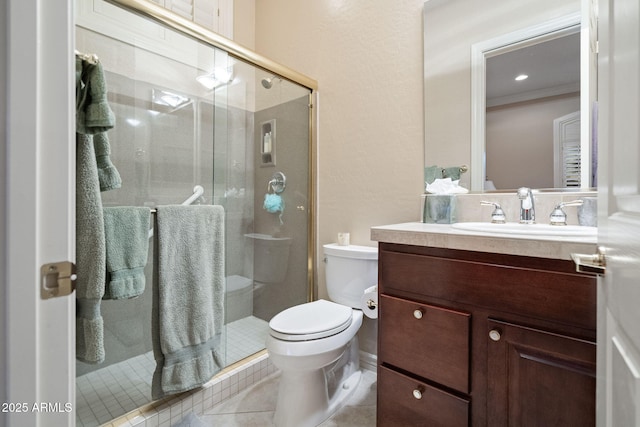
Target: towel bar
pixel 198 191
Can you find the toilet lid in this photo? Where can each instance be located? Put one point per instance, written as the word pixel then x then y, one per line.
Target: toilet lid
pixel 313 320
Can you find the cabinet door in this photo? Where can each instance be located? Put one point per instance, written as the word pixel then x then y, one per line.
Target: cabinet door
pixel 538 378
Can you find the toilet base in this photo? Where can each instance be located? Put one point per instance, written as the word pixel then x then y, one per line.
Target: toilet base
pixel 315 407
pixel 306 398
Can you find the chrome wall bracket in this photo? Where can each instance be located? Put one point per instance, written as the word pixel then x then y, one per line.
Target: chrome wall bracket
pixel 278 183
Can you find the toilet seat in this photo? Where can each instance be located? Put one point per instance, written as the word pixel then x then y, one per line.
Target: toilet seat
pixel 311 321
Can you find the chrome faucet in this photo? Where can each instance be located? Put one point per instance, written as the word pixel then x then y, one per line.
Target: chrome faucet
pixel 559 216
pixel 497 216
pixel 527 207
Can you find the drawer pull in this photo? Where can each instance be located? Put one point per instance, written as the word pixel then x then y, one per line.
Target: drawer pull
pixel 417 393
pixel 494 334
pixel 417 314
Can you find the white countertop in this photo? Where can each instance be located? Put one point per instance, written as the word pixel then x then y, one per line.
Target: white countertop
pixel 445 236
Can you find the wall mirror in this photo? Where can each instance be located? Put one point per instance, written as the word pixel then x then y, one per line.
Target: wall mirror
pixel 465 112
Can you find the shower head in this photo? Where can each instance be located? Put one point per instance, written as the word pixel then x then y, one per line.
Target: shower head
pixel 267 82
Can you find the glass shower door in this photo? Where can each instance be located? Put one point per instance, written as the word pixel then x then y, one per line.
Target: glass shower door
pixel 188 117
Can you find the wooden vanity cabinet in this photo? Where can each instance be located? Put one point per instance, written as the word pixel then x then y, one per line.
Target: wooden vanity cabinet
pixel 480 339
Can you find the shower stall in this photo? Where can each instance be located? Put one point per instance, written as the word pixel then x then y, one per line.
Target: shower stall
pixel 190 115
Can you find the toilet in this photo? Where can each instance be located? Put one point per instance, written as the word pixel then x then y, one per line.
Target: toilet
pixel 315 344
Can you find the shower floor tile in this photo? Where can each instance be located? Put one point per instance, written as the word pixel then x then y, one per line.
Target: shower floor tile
pixel 245 337
pixel 115 390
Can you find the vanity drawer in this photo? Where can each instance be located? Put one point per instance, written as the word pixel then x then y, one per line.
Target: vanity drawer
pixel 403 401
pixel 429 341
pixel 486 280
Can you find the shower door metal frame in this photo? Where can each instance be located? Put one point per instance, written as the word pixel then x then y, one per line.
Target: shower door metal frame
pixel 189 28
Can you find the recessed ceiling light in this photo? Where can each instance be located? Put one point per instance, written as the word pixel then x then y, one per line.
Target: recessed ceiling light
pixel 522 77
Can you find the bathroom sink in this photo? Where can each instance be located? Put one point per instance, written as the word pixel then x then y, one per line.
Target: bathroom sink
pixel 516 228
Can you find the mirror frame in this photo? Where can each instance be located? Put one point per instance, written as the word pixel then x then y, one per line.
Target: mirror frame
pixel 565 25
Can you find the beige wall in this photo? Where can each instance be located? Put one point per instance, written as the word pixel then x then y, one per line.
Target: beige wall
pixel 244 23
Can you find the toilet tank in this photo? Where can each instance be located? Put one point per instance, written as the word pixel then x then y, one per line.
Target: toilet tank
pixel 349 270
pixel 270 257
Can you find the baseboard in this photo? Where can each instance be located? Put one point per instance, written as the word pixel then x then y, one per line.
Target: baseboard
pixel 368 361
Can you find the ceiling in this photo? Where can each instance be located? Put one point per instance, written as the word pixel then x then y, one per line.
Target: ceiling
pixel 553 68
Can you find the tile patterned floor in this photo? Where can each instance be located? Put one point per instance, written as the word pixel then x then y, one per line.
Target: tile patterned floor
pixel 255 406
pixel 117 389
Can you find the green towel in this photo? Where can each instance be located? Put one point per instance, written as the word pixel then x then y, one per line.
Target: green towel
pixel 90 254
pixel 108 175
pixel 93 114
pixel 189 285
pixel 127 245
pixel 452 172
pixel 95 117
pixel 431 173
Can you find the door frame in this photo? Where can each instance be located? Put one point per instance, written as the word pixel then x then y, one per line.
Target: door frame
pixel 39 211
